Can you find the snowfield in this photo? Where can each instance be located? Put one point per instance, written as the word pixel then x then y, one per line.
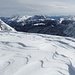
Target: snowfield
pixel 36 54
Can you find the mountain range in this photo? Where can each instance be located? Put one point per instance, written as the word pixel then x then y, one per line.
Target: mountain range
pixel 54 25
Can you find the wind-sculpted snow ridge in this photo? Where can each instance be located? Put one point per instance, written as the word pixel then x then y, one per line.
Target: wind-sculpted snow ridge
pixel 5 27
pixel 36 54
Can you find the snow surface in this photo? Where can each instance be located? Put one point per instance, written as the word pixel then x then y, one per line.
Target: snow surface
pixel 36 54
pixel 36 24
pixel 23 18
pixel 18 18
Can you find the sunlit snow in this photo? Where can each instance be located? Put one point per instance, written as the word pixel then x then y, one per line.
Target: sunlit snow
pixel 5 27
pixel 36 54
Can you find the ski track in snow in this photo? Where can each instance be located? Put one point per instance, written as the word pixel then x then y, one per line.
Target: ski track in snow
pixel 36 54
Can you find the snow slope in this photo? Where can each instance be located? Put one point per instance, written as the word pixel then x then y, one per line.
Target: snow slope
pixel 23 18
pixel 19 18
pixel 36 54
pixel 5 27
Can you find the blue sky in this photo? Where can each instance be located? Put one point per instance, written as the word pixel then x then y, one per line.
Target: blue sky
pixel 31 7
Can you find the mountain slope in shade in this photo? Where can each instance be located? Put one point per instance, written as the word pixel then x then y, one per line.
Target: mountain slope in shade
pixel 36 54
pixel 5 27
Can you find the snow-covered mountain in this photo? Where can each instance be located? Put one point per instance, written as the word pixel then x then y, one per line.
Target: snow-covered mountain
pixel 36 54
pixel 5 27
pixel 23 18
pixel 38 18
pixel 18 18
pixel 56 25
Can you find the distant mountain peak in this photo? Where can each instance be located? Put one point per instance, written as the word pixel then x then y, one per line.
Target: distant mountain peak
pixel 23 18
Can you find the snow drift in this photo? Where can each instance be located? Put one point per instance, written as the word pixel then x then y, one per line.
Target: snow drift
pixel 36 54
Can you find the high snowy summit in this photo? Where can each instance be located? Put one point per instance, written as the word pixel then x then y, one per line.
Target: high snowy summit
pixel 18 18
